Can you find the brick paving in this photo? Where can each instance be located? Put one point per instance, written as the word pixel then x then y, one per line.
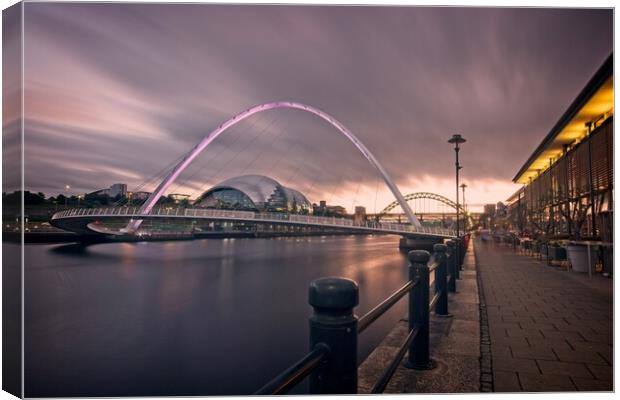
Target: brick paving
pixel 550 330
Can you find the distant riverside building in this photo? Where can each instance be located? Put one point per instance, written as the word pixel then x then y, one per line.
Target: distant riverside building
pixel 178 197
pixel 336 210
pixel 255 193
pixel 501 210
pixel 487 218
pixel 139 195
pixel 489 209
pixel 117 189
pixel 360 214
pixel 323 209
pixel 568 180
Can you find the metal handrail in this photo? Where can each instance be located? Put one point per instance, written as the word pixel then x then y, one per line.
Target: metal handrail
pixel 385 378
pixel 284 382
pixel 234 214
pixel 434 300
pixel 371 316
pixel 432 265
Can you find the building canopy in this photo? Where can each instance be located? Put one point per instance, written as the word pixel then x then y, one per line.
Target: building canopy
pixel 593 105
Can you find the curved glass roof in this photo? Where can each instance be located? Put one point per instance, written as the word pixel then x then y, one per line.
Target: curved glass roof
pixel 262 190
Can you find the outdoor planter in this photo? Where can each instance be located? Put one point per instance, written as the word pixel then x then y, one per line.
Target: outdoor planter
pixel 556 253
pixel 578 257
pixel 544 250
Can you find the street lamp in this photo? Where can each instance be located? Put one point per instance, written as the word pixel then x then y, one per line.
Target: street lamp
pixel 463 186
pixel 457 139
pixel 67 187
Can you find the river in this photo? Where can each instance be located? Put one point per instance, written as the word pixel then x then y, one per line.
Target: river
pixel 204 317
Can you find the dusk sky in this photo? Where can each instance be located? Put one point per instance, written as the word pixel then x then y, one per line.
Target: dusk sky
pixel 116 93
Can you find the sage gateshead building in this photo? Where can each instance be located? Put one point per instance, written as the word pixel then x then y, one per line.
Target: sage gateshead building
pixel 254 193
pixel 567 182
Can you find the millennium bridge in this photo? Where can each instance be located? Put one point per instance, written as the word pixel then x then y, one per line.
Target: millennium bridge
pixel 91 221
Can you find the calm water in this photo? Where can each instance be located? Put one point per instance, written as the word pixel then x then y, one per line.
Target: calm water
pixel 188 318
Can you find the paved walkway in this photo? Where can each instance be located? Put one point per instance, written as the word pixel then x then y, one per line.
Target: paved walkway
pixel 550 330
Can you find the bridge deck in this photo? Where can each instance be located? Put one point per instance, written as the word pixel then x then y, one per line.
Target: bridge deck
pixel 86 216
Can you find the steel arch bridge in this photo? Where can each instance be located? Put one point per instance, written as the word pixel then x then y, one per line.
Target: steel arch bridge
pixel 235 119
pixel 86 221
pixel 424 195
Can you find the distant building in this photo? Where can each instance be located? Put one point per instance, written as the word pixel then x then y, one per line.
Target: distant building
pixel 501 210
pixel 323 209
pixel 178 197
pixel 256 193
pixel 117 189
pixel 139 195
pixel 489 209
pixel 360 214
pixel 336 210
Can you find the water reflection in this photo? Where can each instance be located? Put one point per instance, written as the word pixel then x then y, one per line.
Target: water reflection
pixel 187 318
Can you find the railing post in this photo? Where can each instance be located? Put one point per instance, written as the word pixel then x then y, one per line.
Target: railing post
pixel 457 258
pixel 441 280
pixel 334 325
pixel 419 352
pixel 451 265
pixel 463 250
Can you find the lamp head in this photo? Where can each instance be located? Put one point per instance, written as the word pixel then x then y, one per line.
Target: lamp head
pixel 457 139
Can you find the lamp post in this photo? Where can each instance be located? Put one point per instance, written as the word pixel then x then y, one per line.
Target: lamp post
pixel 67 187
pixel 463 186
pixel 457 139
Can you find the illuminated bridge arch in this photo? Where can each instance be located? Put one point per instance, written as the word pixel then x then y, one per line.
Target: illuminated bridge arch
pixel 424 195
pixel 184 163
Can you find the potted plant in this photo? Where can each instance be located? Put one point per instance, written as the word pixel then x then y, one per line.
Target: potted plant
pixel 577 252
pixel 555 252
pixel 544 246
pixel 537 247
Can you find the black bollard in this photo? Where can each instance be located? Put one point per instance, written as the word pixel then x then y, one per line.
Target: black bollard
pixel 457 258
pixel 451 266
pixel 463 251
pixel 441 280
pixel 419 352
pixel 334 325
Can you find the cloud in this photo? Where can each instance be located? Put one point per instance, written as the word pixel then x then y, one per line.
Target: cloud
pixel 119 91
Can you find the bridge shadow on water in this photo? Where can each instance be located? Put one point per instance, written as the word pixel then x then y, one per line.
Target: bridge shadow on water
pixel 82 250
pixel 87 250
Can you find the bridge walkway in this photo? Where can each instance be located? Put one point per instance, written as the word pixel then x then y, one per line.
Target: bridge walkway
pixel 550 329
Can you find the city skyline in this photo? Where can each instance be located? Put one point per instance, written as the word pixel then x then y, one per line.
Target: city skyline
pixel 119 97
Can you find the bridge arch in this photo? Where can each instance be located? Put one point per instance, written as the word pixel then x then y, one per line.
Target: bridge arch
pixel 423 195
pixel 184 163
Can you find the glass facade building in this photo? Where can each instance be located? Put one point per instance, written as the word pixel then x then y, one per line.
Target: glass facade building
pixel 568 181
pixel 255 193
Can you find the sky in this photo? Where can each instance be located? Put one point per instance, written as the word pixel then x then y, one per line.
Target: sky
pixel 118 92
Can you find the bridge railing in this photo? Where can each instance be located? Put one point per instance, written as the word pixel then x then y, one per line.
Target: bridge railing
pixel 332 361
pixel 134 212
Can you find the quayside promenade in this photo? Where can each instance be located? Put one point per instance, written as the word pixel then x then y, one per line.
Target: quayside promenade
pixel 454 346
pixel 517 325
pixel 550 329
